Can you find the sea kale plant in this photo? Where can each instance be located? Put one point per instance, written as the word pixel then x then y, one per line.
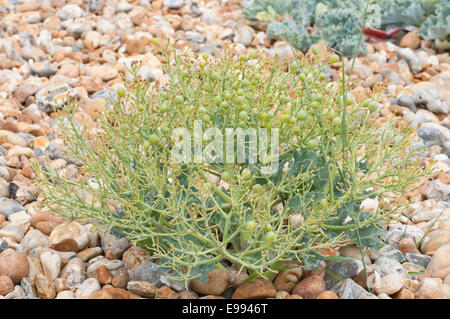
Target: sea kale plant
pixel 308 159
pixel 338 22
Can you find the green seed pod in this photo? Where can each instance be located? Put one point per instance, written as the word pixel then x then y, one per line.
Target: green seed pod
pixel 226 176
pixel 334 58
pixel 121 92
pixel 179 100
pixel 153 139
pixel 251 226
pixel 271 236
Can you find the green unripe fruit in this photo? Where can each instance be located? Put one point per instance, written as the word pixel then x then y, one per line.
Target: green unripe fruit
pixel 205 56
pixel 185 73
pixel 217 100
pixel 263 115
pixel 202 110
pixel 121 92
pixel 224 105
pixel 243 116
pixel 284 118
pixel 271 237
pixel 240 100
pixel 243 58
pixel 373 106
pixel 257 188
pixel 267 227
pixel 253 54
pixel 334 58
pixel 227 95
pixel 245 83
pixel 226 176
pixel 311 144
pixel 154 41
pixel 302 115
pixel 179 100
pixel 153 139
pixel 294 66
pixel 251 226
pixel 315 50
pixel 246 174
pixel 215 76
pixel 337 121
pixel 164 108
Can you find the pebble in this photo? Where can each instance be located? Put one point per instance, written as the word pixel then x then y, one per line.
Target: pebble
pixel 116 246
pixel 428 289
pixel 173 4
pixel 215 285
pixel 286 280
pixel 14 265
pixel 431 99
pixel 142 288
pixel 103 275
pixel 12 232
pixel 9 206
pixel 327 294
pixel 33 239
pixel 89 253
pixel 418 259
pixel 69 237
pixel 245 35
pixel 415 64
pixel 6 285
pixel 404 293
pixel 390 284
pixel 70 11
pixel 407 245
pixel 44 287
pixel 87 287
pixel 439 265
pixel 28 287
pixel 255 289
pixel 148 271
pixel 111 293
pixel 404 231
pixel 120 278
pixel 435 239
pixel 410 40
pixel 135 256
pixel 65 294
pixel 344 269
pixel 310 288
pixel 51 264
pixel 348 289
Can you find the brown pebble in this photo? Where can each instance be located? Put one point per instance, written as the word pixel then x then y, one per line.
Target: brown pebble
pixel 103 275
pixel 310 287
pixel 328 294
pixel 6 285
